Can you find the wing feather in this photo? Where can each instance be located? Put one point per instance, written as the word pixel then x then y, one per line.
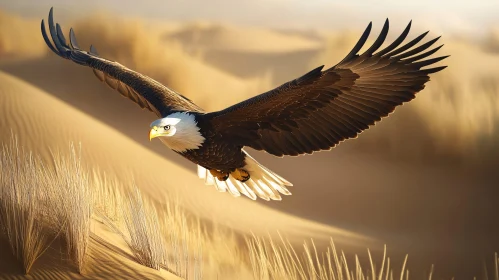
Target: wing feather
pixel 324 107
pixel 143 90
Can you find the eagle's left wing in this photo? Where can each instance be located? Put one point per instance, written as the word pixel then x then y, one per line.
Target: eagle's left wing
pixel 322 108
pixel 141 89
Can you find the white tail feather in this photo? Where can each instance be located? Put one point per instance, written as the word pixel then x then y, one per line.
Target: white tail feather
pixel 262 183
pixel 202 172
pixel 220 185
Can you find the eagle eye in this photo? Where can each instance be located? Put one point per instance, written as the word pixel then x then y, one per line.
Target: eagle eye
pixel 167 127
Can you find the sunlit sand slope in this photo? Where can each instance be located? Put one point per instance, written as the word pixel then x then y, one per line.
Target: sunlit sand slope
pixel 44 123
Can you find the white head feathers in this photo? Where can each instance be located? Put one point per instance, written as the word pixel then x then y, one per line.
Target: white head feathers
pixel 184 133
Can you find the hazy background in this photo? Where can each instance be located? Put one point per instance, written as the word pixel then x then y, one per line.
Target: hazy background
pixel 424 181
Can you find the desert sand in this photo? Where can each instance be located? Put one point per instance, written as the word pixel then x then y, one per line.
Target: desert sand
pixel 422 181
pixel 47 123
pixel 230 38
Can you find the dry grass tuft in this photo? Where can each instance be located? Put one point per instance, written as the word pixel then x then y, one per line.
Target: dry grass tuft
pixel 159 237
pixel 225 250
pixel 76 207
pixel 108 198
pixel 24 203
pixel 183 241
pixel 37 202
pixel 142 223
pixel 271 260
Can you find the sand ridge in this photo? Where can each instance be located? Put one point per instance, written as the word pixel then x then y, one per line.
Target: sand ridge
pixel 397 182
pixel 220 37
pixel 52 124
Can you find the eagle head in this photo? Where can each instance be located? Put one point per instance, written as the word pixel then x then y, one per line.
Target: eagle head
pixel 163 127
pixel 178 131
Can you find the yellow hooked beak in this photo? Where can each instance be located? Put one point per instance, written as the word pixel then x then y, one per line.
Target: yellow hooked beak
pixel 153 133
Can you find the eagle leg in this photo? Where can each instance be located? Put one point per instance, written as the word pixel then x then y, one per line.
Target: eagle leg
pixel 240 175
pixel 220 175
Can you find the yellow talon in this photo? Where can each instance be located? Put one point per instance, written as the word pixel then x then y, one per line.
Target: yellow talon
pixel 221 176
pixel 240 175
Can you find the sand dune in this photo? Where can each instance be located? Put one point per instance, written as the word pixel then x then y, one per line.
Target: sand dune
pixel 406 182
pixel 19 37
pixel 103 264
pixel 492 41
pixel 348 201
pixel 141 49
pixel 138 45
pixel 248 52
pixel 46 123
pixel 209 36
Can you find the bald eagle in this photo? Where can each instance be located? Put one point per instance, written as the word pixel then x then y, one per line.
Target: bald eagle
pixel 311 113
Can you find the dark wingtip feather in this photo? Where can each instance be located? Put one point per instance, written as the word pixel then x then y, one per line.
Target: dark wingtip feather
pixel 60 34
pixel 93 50
pixel 433 70
pixel 397 41
pixel 46 38
pixel 380 40
pixel 421 56
pixel 417 50
pixel 429 61
pixel 53 33
pixel 359 44
pixel 313 73
pixel 408 45
pixel 72 39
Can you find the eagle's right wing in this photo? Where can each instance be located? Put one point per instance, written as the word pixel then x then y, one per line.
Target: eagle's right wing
pixel 324 107
pixel 141 89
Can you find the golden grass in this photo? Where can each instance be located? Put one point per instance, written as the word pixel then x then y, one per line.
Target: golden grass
pixel 183 243
pixel 159 237
pixel 108 198
pixel 38 201
pixel 142 222
pixel 76 206
pixel 271 260
pixel 24 203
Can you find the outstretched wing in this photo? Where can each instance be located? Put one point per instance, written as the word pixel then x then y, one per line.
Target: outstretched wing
pixel 141 89
pixel 318 110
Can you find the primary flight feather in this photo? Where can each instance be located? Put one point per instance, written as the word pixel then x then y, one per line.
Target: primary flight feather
pixel 311 113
